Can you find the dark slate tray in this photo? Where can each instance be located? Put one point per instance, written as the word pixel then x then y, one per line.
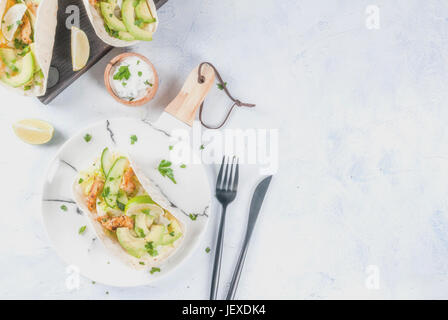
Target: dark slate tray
pixel 61 73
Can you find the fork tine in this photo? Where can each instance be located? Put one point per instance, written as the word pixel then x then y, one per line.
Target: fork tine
pixel 226 175
pixel 219 180
pixel 229 185
pixel 235 180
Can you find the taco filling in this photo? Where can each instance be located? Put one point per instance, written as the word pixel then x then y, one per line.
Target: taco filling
pixel 118 202
pixel 18 66
pixel 127 20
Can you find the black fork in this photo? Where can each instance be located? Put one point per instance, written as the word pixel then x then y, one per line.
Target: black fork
pixel 226 186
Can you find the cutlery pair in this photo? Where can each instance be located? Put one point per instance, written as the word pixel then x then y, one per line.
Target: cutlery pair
pixel 226 188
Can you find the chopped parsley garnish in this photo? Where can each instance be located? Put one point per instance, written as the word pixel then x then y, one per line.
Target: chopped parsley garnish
pixel 134 139
pixel 183 166
pixel 112 33
pixel 106 192
pixel 154 269
pixel 145 211
pixel 64 207
pixel 82 229
pixel 207 250
pixel 81 180
pixel 140 232
pixel 193 216
pixel 148 83
pixel 170 148
pixel 172 233
pixel 87 137
pixel 19 44
pixel 122 73
pixel 221 87
pixel 139 22
pixel 149 246
pixel 202 147
pixel 9 27
pixel 124 84
pixel 142 263
pixel 27 87
pixel 120 205
pixel 166 171
pixel 138 61
pixel 140 73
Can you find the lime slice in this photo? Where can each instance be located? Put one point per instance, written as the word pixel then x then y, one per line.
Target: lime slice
pixel 33 131
pixel 152 209
pixel 80 49
pixel 138 200
pixel 12 20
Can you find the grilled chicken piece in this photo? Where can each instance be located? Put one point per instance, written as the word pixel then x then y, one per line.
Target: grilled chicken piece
pixel 25 34
pixel 95 190
pixel 127 182
pixel 32 6
pixel 116 222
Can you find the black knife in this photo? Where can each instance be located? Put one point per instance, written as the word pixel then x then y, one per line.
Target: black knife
pixel 255 206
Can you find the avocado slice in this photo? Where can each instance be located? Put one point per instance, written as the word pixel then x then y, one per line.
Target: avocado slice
pixel 133 245
pixel 25 74
pixel 8 55
pixel 126 36
pixel 174 233
pixel 107 10
pixel 128 14
pixel 143 13
pixel 156 234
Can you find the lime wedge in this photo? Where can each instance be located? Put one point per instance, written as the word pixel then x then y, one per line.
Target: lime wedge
pixel 80 48
pixel 33 131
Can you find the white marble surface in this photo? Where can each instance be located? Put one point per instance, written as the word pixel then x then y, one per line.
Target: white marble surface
pixel 363 155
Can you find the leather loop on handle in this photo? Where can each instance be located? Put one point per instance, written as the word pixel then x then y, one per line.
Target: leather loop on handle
pixel 192 94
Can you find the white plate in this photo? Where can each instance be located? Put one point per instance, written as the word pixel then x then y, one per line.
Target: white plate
pixel 191 194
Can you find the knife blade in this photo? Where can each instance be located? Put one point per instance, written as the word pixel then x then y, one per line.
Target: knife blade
pixel 255 206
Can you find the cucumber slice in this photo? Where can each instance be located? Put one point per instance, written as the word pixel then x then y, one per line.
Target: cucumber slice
pixel 112 185
pixel 106 161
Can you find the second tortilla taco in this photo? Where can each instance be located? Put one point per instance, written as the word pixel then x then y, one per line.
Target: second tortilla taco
pixel 26 44
pixel 132 218
pixel 122 23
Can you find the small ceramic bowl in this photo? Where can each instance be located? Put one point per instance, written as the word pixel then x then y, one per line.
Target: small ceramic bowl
pixel 151 92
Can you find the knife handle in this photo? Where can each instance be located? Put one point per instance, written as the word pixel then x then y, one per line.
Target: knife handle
pixel 192 94
pixel 238 269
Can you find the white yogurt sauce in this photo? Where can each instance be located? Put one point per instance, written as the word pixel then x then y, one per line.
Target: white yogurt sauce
pixel 140 78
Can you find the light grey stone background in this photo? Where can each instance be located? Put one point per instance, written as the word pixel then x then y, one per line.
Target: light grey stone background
pixel 363 150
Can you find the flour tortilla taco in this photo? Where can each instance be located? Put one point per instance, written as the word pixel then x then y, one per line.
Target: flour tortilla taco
pixel 27 35
pixel 135 222
pixel 121 23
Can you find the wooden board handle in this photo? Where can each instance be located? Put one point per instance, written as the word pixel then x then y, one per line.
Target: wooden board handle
pixel 192 94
